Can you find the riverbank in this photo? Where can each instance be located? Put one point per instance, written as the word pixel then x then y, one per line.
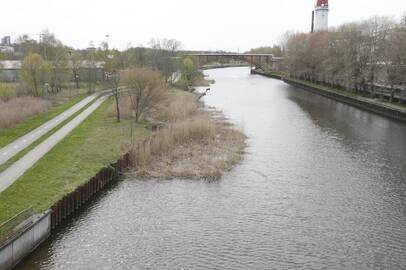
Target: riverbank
pixel 192 142
pixel 93 145
pixel 383 108
pixel 206 67
pixel 22 114
pixel 314 169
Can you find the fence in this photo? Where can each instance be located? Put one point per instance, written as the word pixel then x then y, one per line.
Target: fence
pixel 16 223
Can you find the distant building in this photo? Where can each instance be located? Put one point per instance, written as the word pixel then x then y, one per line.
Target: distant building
pixel 10 70
pixel 6 41
pixel 5 45
pixel 320 16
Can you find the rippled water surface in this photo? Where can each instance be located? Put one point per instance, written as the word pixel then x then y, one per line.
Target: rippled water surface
pixel 322 186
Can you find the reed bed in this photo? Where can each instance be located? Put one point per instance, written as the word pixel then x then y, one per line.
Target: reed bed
pixel 196 130
pixel 192 143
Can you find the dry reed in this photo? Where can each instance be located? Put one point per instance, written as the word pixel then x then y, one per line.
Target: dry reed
pixel 190 143
pixel 199 129
pixel 19 109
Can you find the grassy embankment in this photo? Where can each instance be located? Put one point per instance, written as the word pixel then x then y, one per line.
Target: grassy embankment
pixel 8 135
pixel 43 138
pixel 191 142
pixel 327 88
pixel 94 144
pixel 20 115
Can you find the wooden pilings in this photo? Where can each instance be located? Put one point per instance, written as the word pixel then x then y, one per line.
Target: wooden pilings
pixel 75 200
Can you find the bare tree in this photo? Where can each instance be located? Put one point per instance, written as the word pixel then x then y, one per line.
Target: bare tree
pixel 353 56
pixel 395 56
pixel 145 89
pixel 163 53
pixel 76 60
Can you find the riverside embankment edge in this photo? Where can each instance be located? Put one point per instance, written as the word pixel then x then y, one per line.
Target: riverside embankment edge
pixel 379 109
pixel 23 242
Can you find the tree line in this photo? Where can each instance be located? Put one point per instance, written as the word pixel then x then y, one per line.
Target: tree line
pixel 48 65
pixel 360 56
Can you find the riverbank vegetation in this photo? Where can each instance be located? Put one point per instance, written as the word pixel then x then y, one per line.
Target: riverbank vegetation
pixel 365 58
pixel 205 143
pixel 189 141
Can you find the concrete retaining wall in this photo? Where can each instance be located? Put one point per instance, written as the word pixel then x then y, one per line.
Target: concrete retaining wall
pixel 25 241
pixel 368 106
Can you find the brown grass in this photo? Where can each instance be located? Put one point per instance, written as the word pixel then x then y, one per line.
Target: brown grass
pixel 201 80
pixel 197 129
pixel 177 107
pixel 125 108
pixel 19 109
pixel 193 143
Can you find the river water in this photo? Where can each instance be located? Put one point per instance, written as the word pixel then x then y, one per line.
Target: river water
pixel 322 186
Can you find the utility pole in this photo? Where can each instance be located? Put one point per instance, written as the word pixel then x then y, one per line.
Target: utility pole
pixel 113 79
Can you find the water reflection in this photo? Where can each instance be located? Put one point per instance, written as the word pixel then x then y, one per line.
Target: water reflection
pixel 322 186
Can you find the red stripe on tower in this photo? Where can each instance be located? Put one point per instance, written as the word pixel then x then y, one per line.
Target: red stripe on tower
pixel 321 3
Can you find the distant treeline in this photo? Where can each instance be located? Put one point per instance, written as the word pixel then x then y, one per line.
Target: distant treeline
pixel 49 62
pixel 355 56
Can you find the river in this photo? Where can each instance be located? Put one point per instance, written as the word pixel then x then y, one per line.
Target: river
pixel 322 186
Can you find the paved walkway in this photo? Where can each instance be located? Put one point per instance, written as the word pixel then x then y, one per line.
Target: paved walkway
pixel 12 173
pixel 23 142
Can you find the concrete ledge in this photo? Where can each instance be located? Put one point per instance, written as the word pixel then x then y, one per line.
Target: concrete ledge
pixel 362 104
pixel 25 241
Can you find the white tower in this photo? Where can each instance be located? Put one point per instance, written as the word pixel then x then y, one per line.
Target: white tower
pixel 321 16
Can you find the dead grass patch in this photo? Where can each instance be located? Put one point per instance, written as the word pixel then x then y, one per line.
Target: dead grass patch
pixel 194 143
pixel 19 109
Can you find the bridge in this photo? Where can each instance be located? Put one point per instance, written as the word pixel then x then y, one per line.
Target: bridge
pixel 256 60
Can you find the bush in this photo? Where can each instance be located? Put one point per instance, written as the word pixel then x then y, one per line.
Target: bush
pixel 7 91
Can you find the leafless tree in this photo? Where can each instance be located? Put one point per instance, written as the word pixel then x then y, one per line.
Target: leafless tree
pixel 353 56
pixel 163 53
pixel 145 89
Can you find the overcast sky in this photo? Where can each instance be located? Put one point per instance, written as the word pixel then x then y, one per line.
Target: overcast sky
pixel 235 25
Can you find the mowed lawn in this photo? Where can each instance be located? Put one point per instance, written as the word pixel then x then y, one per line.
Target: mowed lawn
pixel 94 144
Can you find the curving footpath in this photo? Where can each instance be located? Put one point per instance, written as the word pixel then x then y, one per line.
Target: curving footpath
pixel 12 173
pixel 23 142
